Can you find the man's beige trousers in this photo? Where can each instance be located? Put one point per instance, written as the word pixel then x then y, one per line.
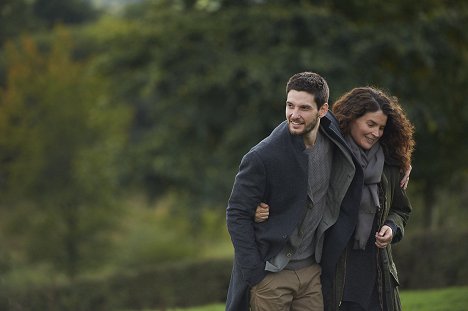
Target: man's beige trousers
pixel 289 290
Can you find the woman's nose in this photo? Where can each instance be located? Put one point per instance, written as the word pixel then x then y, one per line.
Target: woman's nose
pixel 377 133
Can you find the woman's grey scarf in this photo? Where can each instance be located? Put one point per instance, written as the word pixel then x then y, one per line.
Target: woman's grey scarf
pixel 372 162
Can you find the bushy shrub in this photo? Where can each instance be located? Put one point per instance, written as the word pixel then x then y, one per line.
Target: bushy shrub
pixel 431 259
pixel 424 260
pixel 179 284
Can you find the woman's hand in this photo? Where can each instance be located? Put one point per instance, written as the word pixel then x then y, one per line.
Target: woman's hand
pixel 384 237
pixel 262 212
pixel 405 180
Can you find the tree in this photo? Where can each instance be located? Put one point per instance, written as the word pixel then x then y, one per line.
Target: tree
pixel 207 85
pixel 63 11
pixel 199 83
pixel 423 59
pixel 60 138
pixel 15 17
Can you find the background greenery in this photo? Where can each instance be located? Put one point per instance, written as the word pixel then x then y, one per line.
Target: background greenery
pixel 122 124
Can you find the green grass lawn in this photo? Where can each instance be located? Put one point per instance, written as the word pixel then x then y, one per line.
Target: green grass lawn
pixel 448 299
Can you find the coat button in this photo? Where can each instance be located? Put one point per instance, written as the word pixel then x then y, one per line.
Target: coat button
pixel 284 236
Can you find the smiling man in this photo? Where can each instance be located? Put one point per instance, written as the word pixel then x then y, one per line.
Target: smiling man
pixel 276 263
pixel 303 115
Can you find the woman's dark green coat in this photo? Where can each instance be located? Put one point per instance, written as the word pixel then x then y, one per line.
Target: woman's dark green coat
pixel 396 208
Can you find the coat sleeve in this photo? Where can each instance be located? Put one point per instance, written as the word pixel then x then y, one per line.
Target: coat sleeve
pixel 400 207
pixel 247 193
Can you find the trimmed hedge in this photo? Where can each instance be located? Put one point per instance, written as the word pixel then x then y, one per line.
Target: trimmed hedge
pixel 432 259
pixel 424 260
pixel 180 284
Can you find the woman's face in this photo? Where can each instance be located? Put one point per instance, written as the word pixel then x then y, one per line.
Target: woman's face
pixel 367 129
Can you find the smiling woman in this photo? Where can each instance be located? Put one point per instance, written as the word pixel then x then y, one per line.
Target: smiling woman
pixel 368 129
pixel 397 132
pixel 358 272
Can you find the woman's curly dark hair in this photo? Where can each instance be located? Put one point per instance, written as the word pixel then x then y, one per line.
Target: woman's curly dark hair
pixel 397 139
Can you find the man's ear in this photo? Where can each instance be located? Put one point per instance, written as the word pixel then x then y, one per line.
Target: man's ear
pixel 323 110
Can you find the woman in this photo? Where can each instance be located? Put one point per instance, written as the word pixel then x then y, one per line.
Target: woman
pixel 358 272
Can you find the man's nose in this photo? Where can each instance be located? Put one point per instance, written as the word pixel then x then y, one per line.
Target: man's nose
pixel 295 113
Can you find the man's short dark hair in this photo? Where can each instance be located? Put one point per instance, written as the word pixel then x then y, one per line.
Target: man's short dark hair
pixel 311 83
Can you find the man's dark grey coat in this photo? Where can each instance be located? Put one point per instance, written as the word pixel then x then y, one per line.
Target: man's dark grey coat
pixel 275 172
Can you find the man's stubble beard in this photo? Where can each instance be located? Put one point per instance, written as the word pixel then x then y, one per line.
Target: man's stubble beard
pixel 308 129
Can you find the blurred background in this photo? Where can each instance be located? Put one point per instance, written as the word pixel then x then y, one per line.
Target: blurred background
pixel 123 122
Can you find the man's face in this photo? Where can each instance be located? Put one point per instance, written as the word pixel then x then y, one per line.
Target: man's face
pixel 368 129
pixel 301 112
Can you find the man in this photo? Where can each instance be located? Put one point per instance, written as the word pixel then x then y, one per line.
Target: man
pixel 276 262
